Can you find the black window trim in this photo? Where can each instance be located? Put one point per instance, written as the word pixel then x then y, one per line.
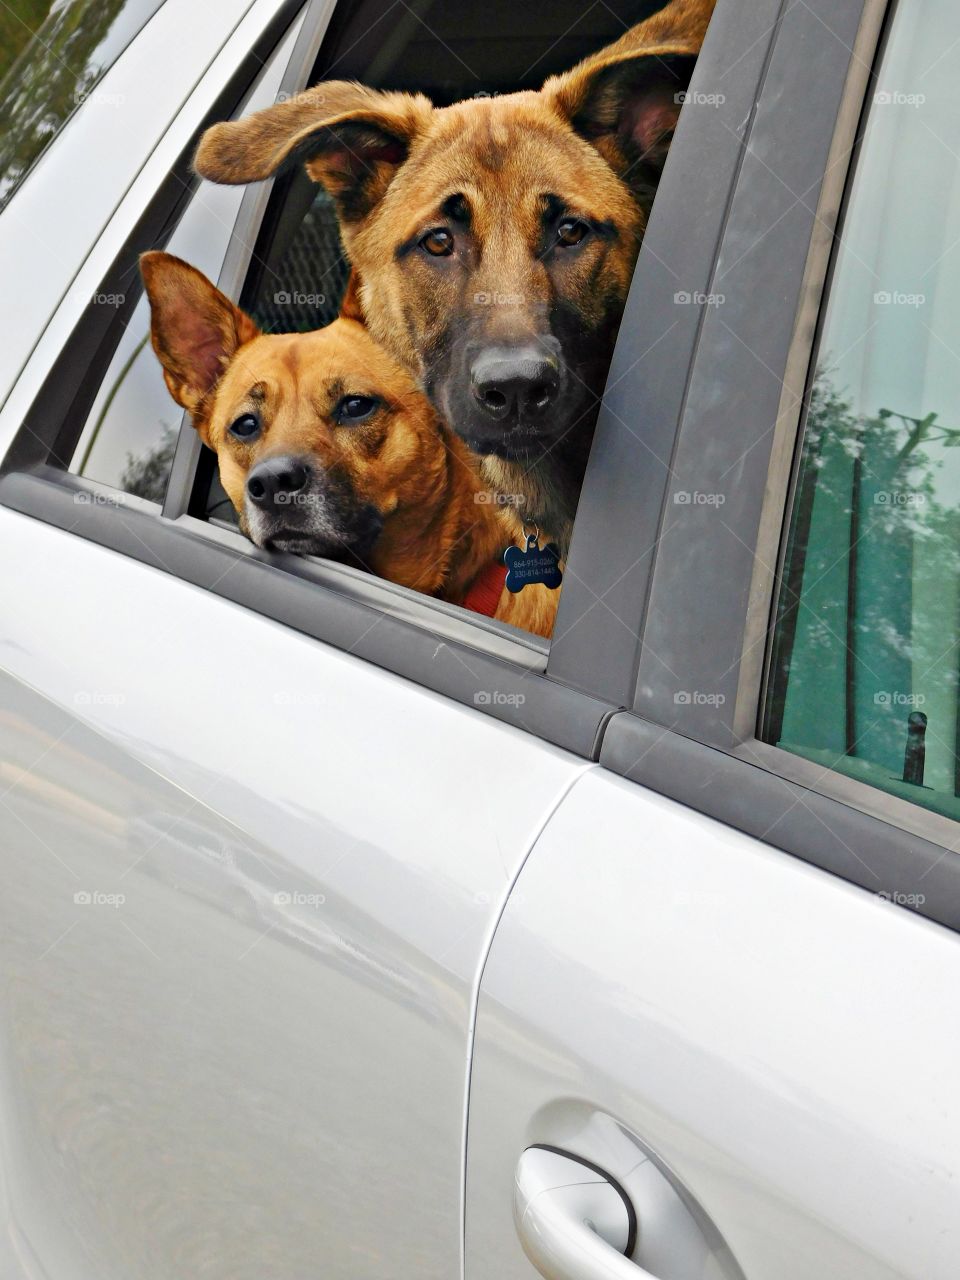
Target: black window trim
pixel 709 756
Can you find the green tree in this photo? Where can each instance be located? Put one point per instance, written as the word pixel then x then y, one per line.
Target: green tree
pixel 19 20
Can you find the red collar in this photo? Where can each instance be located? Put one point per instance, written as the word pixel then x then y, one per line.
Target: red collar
pixel 485 590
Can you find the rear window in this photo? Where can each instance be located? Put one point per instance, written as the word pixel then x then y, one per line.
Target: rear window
pixel 866 659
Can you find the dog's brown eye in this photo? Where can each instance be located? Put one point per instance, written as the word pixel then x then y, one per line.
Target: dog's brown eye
pixel 246 427
pixel 356 408
pixel 438 242
pixel 571 231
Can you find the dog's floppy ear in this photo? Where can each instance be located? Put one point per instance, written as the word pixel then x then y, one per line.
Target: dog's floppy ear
pixel 195 329
pixel 626 98
pixel 352 140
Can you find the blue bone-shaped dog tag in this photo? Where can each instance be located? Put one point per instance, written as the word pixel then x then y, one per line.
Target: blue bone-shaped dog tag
pixel 533 564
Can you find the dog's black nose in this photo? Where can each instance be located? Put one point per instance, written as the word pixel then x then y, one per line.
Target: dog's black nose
pixel 277 481
pixel 515 381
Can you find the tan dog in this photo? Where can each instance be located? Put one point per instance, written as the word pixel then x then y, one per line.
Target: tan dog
pixel 326 447
pixel 494 239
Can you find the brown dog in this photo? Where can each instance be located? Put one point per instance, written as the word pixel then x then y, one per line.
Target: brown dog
pixel 326 447
pixel 494 240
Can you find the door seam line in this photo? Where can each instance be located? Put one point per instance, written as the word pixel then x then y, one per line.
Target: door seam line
pixel 588 766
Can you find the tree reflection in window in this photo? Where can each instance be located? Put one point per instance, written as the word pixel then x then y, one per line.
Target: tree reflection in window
pixel 57 71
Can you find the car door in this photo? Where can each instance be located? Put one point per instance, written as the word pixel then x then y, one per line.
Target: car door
pixel 716 1026
pixel 249 875
pixel 237 1005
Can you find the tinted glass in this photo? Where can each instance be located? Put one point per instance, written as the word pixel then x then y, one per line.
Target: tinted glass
pixel 866 656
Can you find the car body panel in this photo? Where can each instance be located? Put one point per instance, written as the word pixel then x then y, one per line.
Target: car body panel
pixel 783 1041
pixel 254 1064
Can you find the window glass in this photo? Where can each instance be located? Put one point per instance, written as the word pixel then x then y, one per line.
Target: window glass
pixel 130 434
pixel 60 67
pixel 864 670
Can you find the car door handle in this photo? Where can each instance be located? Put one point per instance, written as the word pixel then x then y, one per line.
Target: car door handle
pixel 574 1222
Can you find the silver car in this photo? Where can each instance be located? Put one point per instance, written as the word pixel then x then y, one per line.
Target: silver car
pixel 348 935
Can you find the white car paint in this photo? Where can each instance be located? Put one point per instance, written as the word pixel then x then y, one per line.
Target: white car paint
pixel 193 1084
pixel 783 1041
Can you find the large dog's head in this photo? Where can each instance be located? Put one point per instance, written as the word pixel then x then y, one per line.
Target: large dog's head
pixel 493 240
pixel 325 444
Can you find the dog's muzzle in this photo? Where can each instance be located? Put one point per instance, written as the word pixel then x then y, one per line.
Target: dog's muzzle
pixel 515 382
pixel 511 405
pixel 276 482
pixel 294 505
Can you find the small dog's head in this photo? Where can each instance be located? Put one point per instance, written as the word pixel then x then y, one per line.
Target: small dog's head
pixel 321 437
pixel 494 240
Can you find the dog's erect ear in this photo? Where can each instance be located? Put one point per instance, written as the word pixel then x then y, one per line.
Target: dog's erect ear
pixel 195 329
pixel 351 139
pixel 626 98
pixel 350 308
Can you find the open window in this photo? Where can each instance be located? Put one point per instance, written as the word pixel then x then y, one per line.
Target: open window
pixel 276 248
pixel 298 271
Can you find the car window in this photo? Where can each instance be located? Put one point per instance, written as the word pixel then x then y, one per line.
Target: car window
pixel 866 654
pixel 130 433
pixel 299 272
pixel 495 386
pixel 58 70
